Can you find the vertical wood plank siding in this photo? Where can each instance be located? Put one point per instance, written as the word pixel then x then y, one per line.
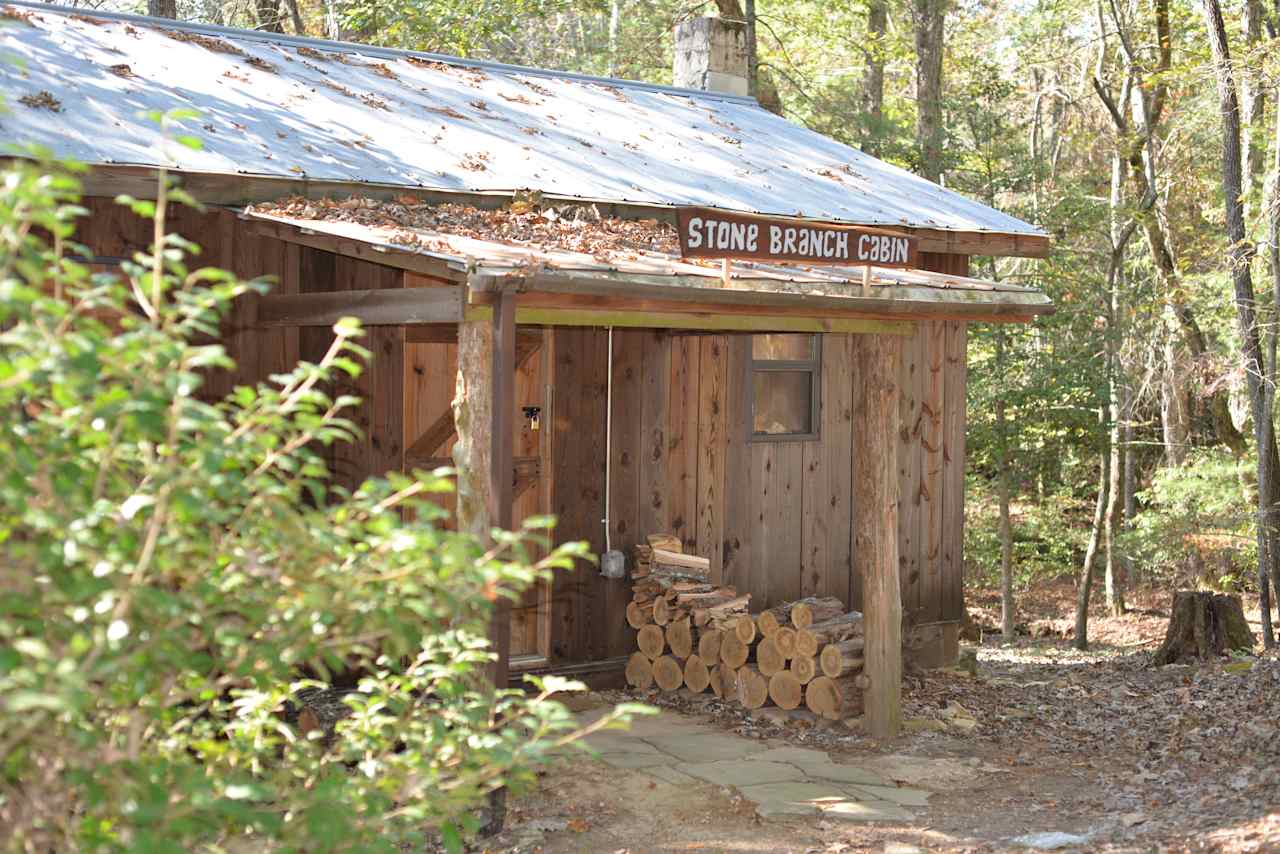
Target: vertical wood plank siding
pixel 774 517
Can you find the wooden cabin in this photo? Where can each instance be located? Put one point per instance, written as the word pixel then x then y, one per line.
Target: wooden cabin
pixel 798 421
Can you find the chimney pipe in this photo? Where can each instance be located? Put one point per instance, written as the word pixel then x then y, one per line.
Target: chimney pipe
pixel 711 54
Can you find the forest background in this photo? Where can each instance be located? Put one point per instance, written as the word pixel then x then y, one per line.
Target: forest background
pixel 1130 435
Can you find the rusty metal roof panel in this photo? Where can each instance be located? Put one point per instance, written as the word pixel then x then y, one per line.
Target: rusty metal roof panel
pixel 285 107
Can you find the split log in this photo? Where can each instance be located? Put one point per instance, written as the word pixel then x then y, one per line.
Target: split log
pixel 707 599
pixel 637 615
pixel 753 688
pixel 806 643
pixel 725 612
pixel 785 638
pixel 695 587
pixel 785 690
pixel 679 637
pixel 724 680
pixel 809 607
pixel 838 628
pixel 668 673
pixel 661 611
pixel 664 542
pixel 676 566
pixel 639 671
pixel 838 659
pixel 769 659
pixel 745 628
pixel 1203 625
pixel 651 641
pixel 815 609
pixel 709 644
pixel 696 674
pixel 733 652
pixel 834 699
pixel 804 668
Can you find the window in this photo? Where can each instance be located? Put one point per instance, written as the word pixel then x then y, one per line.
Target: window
pixel 784 387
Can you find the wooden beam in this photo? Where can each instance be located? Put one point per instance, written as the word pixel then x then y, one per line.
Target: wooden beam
pixel 875 428
pixel 221 188
pixel 426 445
pixel 375 253
pixel 521 467
pixel 381 307
pixel 694 321
pixel 644 292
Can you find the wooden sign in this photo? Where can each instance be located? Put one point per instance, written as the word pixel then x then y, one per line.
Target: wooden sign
pixel 708 233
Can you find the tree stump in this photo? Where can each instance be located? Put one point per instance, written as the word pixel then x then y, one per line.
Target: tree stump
pixel 1202 625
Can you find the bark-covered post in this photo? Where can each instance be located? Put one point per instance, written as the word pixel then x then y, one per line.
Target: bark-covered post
pixel 484 412
pixel 876 530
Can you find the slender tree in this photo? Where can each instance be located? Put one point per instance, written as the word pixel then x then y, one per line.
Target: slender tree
pixel 873 51
pixel 929 18
pixel 1238 252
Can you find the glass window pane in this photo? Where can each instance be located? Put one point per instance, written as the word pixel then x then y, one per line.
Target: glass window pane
pixel 783 402
pixel 789 348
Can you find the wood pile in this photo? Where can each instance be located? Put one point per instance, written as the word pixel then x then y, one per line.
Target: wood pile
pixel 694 634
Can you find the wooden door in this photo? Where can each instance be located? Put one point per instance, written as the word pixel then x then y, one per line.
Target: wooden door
pixel 430 376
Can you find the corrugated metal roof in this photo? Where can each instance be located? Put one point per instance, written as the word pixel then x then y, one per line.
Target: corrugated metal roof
pixel 295 108
pixel 467 254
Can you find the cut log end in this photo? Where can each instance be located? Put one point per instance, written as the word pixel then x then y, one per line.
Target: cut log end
pixel 769 659
pixel 639 672
pixel 804 668
pixel 679 635
pixel 753 688
pixel 651 641
pixel 638 616
pixel 709 644
pixel 696 674
pixel 745 628
pixel 785 690
pixel 667 673
pixel 785 638
pixel 733 652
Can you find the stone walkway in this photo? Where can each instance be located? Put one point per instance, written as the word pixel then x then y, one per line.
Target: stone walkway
pixel 781 781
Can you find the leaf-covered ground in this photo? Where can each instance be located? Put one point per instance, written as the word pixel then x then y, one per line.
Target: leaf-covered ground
pixel 1098 745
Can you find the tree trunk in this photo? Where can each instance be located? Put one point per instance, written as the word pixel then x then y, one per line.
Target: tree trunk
pixel 1175 412
pixel 1007 616
pixel 873 73
pixel 269 18
pixel 1254 103
pixel 1091 555
pixel 1242 282
pixel 1203 625
pixel 929 17
pixel 1115 465
pixel 162 8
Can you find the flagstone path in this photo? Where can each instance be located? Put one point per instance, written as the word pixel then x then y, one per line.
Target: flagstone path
pixel 780 781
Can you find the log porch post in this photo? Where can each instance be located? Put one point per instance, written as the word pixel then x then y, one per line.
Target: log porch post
pixel 875 550
pixel 484 412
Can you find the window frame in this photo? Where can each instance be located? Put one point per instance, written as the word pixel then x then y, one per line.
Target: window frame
pixel 812 366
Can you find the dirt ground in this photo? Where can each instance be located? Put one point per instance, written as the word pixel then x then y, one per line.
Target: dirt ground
pixel 1099 745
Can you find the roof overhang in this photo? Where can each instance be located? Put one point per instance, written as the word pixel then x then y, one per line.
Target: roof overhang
pixel 559 287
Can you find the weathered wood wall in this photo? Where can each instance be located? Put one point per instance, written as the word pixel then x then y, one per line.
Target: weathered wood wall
pixel 773 517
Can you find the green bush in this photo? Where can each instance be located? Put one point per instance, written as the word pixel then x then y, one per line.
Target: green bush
pixel 173 569
pixel 1198 524
pixel 1049 535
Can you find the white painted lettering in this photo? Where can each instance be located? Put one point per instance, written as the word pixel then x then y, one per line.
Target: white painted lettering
pixel 775 240
pixel 739 236
pixel 842 245
pixel 753 237
pixel 789 241
pixel 722 234
pixel 695 233
pixel 862 247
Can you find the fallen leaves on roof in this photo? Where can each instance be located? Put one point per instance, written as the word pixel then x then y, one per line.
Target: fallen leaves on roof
pixel 526 222
pixel 206 42
pixel 42 100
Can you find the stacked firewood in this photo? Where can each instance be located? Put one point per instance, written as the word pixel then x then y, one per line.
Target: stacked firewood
pixel 694 634
pixel 679 617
